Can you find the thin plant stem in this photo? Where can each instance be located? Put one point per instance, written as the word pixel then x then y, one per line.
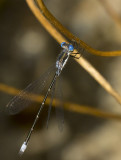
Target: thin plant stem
pixel 50 25
pixel 69 35
pixel 81 109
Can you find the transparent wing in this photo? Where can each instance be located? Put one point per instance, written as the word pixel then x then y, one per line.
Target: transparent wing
pixel 24 98
pixel 51 101
pixel 59 107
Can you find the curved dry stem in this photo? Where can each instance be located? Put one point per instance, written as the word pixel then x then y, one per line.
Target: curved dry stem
pixel 86 65
pixel 68 106
pixel 99 78
pixel 111 12
pixel 69 35
pixel 46 24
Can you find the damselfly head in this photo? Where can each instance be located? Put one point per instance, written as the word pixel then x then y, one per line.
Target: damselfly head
pixel 63 44
pixel 68 46
pixel 71 48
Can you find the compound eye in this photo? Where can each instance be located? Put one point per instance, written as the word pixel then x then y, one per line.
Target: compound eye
pixel 63 44
pixel 71 48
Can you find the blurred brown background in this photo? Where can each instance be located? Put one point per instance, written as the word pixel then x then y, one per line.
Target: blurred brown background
pixel 27 50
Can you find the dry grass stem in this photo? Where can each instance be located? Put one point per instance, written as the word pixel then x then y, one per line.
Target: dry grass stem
pixel 47 23
pixel 68 106
pixel 51 28
pixel 68 34
pixel 99 78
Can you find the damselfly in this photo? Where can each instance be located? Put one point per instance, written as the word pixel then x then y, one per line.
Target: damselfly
pixel 23 99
